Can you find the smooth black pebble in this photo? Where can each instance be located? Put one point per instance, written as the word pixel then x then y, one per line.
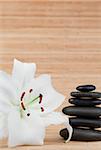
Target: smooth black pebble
pixel 82 134
pixel 83 102
pixel 86 88
pixel 88 112
pixel 83 122
pixel 85 95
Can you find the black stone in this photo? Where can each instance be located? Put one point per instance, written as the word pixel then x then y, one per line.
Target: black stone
pixel 88 112
pixel 82 134
pixel 83 122
pixel 85 95
pixel 86 88
pixel 83 102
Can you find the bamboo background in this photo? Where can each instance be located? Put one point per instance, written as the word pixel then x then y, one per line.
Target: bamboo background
pixel 63 37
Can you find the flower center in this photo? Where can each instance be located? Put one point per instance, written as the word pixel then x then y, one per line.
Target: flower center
pixel 38 98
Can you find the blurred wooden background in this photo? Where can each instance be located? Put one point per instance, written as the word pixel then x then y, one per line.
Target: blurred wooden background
pixel 63 37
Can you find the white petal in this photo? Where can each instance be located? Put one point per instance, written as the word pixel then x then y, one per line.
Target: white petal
pixel 25 130
pixel 56 118
pixel 51 98
pixel 3 126
pixel 7 88
pixel 5 103
pixel 23 72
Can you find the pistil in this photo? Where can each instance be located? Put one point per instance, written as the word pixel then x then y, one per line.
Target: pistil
pixel 40 96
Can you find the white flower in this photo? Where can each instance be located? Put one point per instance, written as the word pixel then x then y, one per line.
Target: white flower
pixel 27 106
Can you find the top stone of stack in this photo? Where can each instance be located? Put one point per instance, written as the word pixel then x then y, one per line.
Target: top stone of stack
pixel 86 92
pixel 86 88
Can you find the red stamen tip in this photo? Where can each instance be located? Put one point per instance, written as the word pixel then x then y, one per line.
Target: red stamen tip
pixel 22 96
pixel 40 96
pixel 28 114
pixel 23 107
pixel 42 109
pixel 30 90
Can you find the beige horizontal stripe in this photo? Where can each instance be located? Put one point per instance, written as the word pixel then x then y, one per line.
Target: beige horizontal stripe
pixel 50 8
pixel 48 47
pixel 71 22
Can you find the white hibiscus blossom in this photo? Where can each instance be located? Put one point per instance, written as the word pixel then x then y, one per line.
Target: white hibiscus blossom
pixel 27 106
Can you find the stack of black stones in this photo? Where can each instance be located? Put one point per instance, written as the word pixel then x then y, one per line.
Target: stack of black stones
pixel 86 114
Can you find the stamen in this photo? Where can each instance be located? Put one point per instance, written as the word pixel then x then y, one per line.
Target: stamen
pixel 42 109
pixel 37 98
pixel 30 90
pixel 40 96
pixel 23 107
pixel 22 104
pixel 28 114
pixel 22 96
